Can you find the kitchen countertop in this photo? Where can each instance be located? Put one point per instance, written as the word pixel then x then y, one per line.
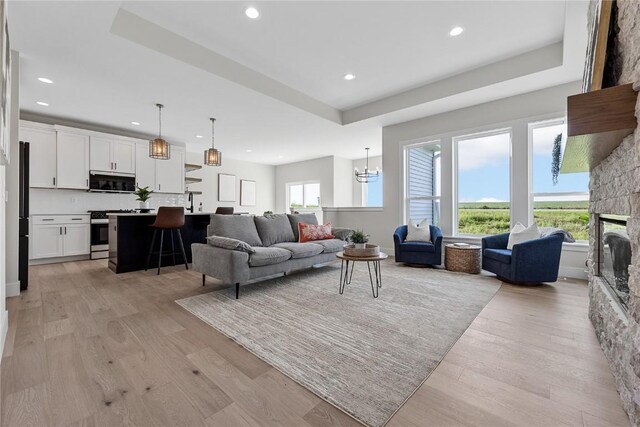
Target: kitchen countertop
pixel 153 213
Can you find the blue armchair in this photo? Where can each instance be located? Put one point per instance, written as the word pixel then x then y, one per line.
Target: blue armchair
pixel 422 253
pixel 531 262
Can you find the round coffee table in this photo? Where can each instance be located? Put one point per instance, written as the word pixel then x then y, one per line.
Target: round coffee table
pixel 345 276
pixel 464 259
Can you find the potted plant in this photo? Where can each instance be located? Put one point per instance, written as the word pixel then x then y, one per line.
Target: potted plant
pixel 144 194
pixel 359 239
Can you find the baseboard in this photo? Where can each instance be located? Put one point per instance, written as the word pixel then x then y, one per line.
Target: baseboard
pixel 59 259
pixel 13 289
pixel 573 272
pixel 4 327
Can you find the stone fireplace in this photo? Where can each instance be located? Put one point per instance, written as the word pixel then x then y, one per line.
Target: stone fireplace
pixel 614 187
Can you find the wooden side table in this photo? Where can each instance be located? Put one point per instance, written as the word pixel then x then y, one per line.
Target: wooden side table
pixel 465 259
pixel 345 276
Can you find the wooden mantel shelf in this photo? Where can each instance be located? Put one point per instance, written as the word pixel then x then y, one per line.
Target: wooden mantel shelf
pixel 597 122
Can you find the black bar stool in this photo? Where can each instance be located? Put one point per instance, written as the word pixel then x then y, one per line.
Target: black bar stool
pixel 224 210
pixel 168 218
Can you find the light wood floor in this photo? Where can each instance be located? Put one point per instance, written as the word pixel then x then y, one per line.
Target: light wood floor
pixel 88 347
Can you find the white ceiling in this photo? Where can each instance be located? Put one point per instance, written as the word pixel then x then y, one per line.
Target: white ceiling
pixel 306 47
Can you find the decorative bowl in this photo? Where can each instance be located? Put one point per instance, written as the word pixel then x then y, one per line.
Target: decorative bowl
pixel 369 251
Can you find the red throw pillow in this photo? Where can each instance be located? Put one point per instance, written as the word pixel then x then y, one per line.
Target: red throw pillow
pixel 310 232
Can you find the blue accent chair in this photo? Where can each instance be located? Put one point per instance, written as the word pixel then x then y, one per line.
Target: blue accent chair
pixel 531 262
pixel 421 253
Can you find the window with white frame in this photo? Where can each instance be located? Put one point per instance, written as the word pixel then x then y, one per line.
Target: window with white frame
pixel 422 182
pixel 562 202
pixel 372 192
pixel 304 195
pixel 483 164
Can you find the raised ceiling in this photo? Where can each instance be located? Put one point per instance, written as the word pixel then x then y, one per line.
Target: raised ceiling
pixel 276 84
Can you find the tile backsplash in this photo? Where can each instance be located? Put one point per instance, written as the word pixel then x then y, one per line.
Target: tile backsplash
pixel 49 201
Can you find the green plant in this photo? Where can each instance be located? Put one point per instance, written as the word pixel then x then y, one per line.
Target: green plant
pixel 556 158
pixel 143 194
pixel 358 236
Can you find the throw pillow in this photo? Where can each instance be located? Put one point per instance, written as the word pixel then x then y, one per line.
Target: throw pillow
pixel 229 243
pixel 274 228
pixel 295 219
pixel 311 232
pixel 418 232
pixel 520 234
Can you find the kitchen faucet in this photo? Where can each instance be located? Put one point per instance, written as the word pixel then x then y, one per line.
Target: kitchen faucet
pixel 190 208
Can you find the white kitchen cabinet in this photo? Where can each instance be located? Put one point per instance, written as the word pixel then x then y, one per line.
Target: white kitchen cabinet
pixel 123 154
pixel 55 236
pixel 72 156
pixel 161 176
pixel 145 168
pixel 112 155
pixel 100 154
pixel 42 156
pixel 170 173
pixel 76 239
pixel 46 241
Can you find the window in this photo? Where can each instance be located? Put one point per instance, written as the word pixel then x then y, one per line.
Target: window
pixel 372 192
pixel 304 195
pixel 483 182
pixel 564 204
pixel 422 182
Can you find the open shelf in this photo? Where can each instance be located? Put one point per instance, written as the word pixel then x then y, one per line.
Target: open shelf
pixel 195 193
pixel 190 167
pixel 191 180
pixel 597 122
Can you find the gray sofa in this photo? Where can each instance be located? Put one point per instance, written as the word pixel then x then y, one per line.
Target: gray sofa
pixel 243 248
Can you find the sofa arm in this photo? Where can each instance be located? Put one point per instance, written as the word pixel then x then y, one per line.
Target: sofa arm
pixel 436 237
pixel 341 233
pixel 499 241
pixel 400 234
pixel 226 265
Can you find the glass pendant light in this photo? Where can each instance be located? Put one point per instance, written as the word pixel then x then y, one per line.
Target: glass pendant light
pixel 159 148
pixel 212 157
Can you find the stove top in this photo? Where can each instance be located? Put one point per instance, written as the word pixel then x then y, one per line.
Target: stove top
pixel 103 214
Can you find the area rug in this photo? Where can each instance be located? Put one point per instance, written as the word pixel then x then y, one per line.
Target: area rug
pixel 365 356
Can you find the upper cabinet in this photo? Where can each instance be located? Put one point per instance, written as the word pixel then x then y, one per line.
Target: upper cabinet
pixel 170 173
pixel 57 158
pixel 145 168
pixel 112 155
pixel 161 176
pixel 72 154
pixel 42 155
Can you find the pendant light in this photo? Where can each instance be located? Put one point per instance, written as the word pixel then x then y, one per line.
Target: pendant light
pixel 367 176
pixel 159 148
pixel 212 157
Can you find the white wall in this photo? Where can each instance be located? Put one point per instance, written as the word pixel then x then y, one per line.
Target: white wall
pixel 514 110
pixel 342 188
pixel 374 162
pixel 320 170
pixel 263 175
pixel 12 183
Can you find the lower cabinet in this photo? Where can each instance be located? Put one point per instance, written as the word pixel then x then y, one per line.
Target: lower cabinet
pixel 54 236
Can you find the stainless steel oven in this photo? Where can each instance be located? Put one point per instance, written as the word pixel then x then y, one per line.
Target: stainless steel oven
pixel 100 233
pixel 105 183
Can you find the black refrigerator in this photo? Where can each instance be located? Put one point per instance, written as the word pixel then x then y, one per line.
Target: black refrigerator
pixel 23 218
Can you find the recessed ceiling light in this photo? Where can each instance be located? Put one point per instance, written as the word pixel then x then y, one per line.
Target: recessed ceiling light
pixel 198 136
pixel 349 76
pixel 252 12
pixel 456 31
pixel 45 80
pixel 248 151
pixel 44 104
pixel 135 123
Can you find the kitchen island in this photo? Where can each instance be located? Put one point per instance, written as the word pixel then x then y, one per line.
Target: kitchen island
pixel 130 236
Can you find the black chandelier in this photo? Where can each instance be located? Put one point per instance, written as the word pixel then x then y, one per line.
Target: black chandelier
pixel 367 176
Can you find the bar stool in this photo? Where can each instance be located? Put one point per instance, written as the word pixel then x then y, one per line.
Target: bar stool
pixel 224 210
pixel 168 218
